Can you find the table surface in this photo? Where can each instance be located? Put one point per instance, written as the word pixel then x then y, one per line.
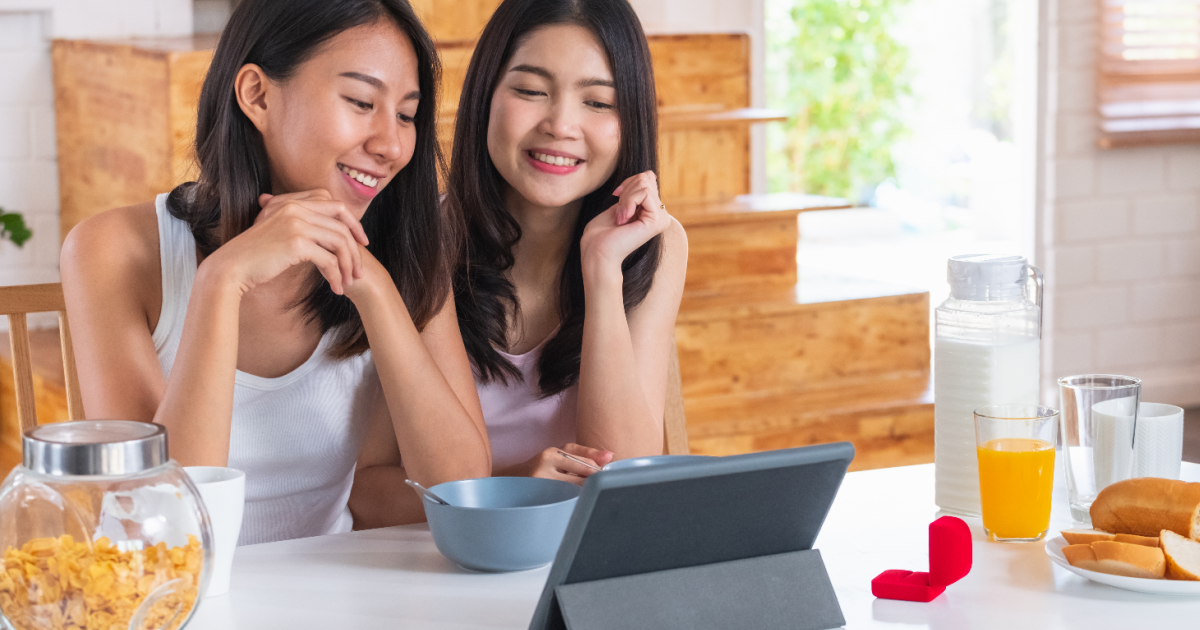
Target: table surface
pixel 395 577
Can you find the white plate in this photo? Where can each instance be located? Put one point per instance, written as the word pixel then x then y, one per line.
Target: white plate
pixel 1142 585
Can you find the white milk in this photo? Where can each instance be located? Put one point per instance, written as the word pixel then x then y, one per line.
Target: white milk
pixel 967 376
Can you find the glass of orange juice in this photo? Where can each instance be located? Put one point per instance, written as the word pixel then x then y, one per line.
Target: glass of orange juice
pixel 1015 444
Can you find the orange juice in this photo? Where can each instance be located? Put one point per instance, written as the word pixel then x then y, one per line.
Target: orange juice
pixel 1016 476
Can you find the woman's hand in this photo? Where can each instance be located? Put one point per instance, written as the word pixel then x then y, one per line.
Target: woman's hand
pixel 293 229
pixel 638 216
pixel 549 464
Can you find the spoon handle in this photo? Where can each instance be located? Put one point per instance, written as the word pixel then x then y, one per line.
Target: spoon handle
pixel 423 490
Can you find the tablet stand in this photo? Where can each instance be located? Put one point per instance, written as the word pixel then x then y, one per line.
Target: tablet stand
pixel 788 591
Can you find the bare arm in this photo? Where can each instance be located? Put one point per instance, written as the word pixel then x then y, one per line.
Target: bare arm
pixel 112 285
pixel 623 371
pixel 429 412
pixel 105 284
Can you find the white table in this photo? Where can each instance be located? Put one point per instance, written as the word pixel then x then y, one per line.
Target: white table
pixel 395 578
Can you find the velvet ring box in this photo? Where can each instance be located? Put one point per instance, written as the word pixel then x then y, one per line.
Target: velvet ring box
pixel 949 562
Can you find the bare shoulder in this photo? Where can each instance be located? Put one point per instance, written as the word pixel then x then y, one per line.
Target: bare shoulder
pixel 115 241
pixel 113 259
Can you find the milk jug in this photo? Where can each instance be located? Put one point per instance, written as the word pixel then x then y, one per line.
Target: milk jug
pixel 986 351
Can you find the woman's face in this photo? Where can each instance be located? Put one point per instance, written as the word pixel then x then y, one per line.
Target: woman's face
pixel 343 121
pixel 553 131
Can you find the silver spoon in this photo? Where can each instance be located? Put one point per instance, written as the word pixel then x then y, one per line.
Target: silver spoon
pixel 425 491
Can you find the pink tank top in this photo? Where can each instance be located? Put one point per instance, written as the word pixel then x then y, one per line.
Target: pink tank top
pixel 520 423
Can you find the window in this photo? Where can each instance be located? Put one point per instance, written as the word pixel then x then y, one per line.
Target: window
pixel 1148 84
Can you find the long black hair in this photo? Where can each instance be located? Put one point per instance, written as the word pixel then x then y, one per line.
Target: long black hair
pixel 483 294
pixel 404 224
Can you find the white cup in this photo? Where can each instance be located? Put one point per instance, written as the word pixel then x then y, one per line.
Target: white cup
pixel 223 491
pixel 1157 446
pixel 1159 442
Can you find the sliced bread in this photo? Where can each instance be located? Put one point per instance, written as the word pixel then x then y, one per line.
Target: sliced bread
pixel 1129 560
pixel 1134 539
pixel 1183 556
pixel 1084 536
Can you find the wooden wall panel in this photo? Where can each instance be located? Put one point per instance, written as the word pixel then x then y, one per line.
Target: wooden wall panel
pixel 113 127
pixel 895 437
pixel 125 119
pixel 741 254
pixel 701 70
pixel 766 347
pixel 448 20
pixel 707 162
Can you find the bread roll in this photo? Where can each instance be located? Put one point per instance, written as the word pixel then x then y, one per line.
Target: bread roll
pixel 1183 556
pixel 1084 536
pixel 1134 539
pixel 1148 505
pixel 1129 560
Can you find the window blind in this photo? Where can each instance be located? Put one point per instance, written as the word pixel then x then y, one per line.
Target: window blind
pixel 1148 87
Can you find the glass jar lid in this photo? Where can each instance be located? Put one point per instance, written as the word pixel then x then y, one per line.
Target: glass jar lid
pixel 95 447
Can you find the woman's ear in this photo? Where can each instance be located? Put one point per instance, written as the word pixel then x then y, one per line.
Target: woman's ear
pixel 251 86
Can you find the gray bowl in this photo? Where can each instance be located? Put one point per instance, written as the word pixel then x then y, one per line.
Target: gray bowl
pixel 501 523
pixel 656 460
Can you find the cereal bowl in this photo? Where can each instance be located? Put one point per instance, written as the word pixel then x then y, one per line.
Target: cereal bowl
pixel 499 524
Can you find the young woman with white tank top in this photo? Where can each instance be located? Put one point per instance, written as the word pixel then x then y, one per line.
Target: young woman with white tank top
pixel 236 310
pixel 573 272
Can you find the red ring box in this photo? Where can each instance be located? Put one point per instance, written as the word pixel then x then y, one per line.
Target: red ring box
pixel 949 562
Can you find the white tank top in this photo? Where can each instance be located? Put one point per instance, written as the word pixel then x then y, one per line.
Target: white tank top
pixel 297 436
pixel 520 423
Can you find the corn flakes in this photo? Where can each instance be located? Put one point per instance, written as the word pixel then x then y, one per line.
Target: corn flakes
pixel 60 584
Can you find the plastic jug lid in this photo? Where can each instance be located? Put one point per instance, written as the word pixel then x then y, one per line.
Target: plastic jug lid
pixel 984 277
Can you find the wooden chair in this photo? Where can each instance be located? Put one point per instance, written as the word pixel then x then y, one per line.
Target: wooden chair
pixel 675 441
pixel 16 302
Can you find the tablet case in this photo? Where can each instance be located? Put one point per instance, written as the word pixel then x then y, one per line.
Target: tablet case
pixel 723 543
pixel 786 591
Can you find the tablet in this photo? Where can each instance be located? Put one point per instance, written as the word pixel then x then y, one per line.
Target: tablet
pixel 677 515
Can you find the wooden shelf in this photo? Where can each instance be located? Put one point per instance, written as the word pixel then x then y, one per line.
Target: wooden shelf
pixel 668 121
pixel 750 207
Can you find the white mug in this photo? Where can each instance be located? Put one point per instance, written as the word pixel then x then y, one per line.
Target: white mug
pixel 223 491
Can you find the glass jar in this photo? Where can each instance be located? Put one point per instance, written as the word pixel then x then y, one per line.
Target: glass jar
pixel 986 351
pixel 99 529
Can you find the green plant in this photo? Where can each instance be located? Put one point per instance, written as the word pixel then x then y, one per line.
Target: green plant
pixel 835 65
pixel 12 227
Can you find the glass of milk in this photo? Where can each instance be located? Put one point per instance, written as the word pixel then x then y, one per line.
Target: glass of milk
pixel 987 351
pixel 1099 418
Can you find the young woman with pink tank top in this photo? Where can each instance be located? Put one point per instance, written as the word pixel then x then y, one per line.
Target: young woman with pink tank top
pixel 237 309
pixel 573 271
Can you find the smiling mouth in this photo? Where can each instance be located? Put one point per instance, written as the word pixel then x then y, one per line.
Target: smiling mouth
pixel 362 178
pixel 553 160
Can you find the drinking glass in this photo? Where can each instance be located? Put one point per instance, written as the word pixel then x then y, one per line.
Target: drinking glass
pixel 1097 435
pixel 1015 445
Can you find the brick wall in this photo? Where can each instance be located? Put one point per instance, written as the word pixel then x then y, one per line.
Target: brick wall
pixel 28 171
pixel 1119 235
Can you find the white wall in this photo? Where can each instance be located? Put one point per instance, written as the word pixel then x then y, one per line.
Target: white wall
pixel 1118 234
pixel 28 170
pixel 720 16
